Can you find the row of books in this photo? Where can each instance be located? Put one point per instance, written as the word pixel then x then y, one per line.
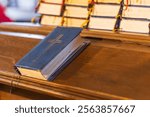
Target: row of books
pixel 63 12
pixel 134 18
pixel 67 12
pixel 118 15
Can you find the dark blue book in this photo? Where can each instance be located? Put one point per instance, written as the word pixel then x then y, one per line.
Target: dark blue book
pixel 52 54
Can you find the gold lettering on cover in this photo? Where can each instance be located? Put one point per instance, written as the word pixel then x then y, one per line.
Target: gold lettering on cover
pixel 52 42
pixel 57 40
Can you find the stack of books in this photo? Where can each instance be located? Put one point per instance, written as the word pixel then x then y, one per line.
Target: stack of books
pixel 136 17
pixel 131 16
pixel 104 15
pixel 51 12
pixel 76 12
pixel 71 13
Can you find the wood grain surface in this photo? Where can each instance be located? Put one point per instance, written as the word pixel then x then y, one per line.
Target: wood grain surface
pixel 9 93
pixel 43 30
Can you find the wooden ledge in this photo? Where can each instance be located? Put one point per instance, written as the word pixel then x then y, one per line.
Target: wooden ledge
pixel 100 34
pixel 53 89
pixel 122 36
pixel 42 30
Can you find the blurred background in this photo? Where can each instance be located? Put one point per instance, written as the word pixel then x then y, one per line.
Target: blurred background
pixel 17 10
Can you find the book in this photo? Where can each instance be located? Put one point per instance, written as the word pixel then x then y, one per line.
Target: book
pixel 70 2
pixel 50 9
pixel 138 2
pixel 104 16
pixel 108 1
pixel 77 2
pixel 136 12
pixel 73 22
pixel 103 23
pixel 53 1
pixel 52 54
pixel 134 25
pixel 57 21
pixel 105 10
pixel 74 11
pixel 51 20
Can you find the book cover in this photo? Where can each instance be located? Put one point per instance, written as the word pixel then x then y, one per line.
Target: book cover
pixel 51 53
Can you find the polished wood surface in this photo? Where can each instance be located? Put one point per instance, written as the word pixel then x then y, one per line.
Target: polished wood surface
pixel 43 30
pixel 107 69
pixel 11 93
pixel 121 36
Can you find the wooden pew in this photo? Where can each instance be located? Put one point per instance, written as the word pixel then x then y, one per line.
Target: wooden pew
pixel 9 93
pixel 107 69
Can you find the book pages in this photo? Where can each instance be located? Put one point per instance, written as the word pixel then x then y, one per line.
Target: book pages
pixel 137 12
pixel 105 10
pixel 56 21
pixel 77 12
pixel 53 1
pixel 108 1
pixel 49 9
pixel 138 2
pixel 51 20
pixel 73 22
pixel 138 26
pixel 102 23
pixel 77 2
